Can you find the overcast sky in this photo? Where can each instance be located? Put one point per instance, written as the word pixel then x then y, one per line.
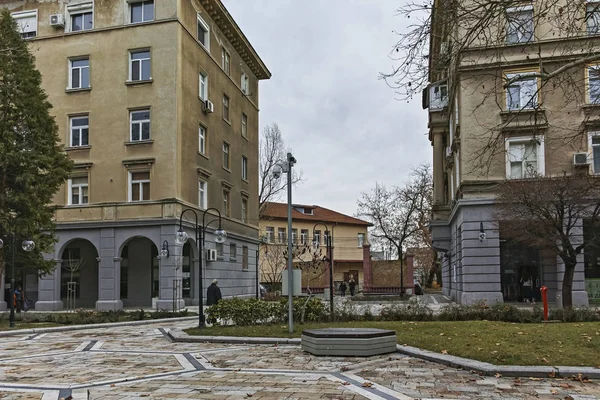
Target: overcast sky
pixel 345 126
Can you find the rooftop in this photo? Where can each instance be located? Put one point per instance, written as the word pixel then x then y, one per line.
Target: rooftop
pixel 302 212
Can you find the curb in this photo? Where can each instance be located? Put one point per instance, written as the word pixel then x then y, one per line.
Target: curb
pixel 533 371
pixel 92 326
pixel 180 336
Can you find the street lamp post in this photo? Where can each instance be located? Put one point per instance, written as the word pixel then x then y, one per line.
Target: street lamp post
pixel 286 167
pixel 200 230
pixel 28 245
pixel 328 258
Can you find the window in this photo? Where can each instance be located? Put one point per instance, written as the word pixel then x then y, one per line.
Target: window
pixel 140 186
pixel 82 21
pixel 220 250
pixel 142 11
pixel 317 237
pixel 226 202
pixel 593 18
pixel 202 140
pixel 594 151
pixel 244 258
pixel 244 211
pixel 303 236
pixel 294 235
pixel 79 73
pixel 244 168
pixel 521 93
pixel 26 23
pixel 244 84
pixel 325 237
pixel 203 33
pixel 225 108
pixel 202 198
pixel 361 239
pixel 594 84
pixel 225 61
pixel 140 125
pixel 139 65
pixel 225 155
pixel 244 125
pixel 232 251
pixel 519 24
pixel 270 231
pixel 203 86
pixel 78 190
pixel 281 235
pixel 524 157
pixel 80 131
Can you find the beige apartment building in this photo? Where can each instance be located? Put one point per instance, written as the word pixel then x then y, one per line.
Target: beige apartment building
pixel 312 224
pixel 157 104
pixel 496 113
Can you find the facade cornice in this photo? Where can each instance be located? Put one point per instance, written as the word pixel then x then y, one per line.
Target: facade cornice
pixel 219 14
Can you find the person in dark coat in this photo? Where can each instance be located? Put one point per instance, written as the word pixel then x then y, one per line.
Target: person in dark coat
pixel 352 286
pixel 213 293
pixel 343 288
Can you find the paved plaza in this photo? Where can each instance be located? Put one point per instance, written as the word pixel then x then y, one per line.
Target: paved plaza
pixel 140 362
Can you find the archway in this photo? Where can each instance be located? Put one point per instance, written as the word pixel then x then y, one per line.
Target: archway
pixel 79 270
pixel 139 280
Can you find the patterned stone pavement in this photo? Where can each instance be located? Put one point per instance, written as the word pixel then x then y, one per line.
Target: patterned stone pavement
pixel 139 362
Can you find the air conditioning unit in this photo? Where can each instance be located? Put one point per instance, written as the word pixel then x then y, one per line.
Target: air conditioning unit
pixel 448 152
pixel 57 20
pixel 580 159
pixel 211 255
pixel 208 106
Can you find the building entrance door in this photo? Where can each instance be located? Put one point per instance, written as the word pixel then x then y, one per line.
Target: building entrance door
pixel 517 261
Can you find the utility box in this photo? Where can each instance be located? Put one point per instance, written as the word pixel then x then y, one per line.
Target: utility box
pixel 297 285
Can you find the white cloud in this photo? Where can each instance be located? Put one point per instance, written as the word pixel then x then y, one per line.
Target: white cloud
pixel 345 126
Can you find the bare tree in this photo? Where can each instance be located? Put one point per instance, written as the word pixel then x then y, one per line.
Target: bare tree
pixel 273 262
pixel 272 153
pixel 463 44
pixel 547 213
pixel 398 214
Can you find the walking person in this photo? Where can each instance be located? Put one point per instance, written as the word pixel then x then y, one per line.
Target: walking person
pixel 352 286
pixel 526 287
pixel 213 293
pixel 18 298
pixel 343 288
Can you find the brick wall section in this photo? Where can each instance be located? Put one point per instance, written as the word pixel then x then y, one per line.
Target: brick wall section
pixel 386 273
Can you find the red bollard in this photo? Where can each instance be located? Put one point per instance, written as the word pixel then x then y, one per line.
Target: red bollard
pixel 544 291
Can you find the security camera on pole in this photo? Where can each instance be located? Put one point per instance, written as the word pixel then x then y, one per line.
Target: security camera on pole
pixel 286 167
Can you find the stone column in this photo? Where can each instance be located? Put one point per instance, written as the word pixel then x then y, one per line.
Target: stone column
pixel 3 305
pixel 409 276
pixel 109 273
pixel 438 168
pixel 367 271
pixel 49 291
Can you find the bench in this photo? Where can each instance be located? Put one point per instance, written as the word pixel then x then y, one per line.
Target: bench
pixel 348 342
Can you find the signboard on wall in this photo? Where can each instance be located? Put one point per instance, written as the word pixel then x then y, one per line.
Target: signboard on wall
pixel 592 287
pixel 297 285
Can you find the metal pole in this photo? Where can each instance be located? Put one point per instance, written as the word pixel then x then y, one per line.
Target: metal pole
pixel 290 252
pixel 330 255
pixel 257 283
pixel 12 281
pixel 200 232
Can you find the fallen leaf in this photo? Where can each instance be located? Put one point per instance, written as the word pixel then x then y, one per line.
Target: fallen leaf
pixel 344 368
pixel 367 385
pixel 544 359
pixel 553 391
pixel 498 375
pixel 444 351
pixel 536 379
pixel 345 383
pixel 442 334
pixel 552 374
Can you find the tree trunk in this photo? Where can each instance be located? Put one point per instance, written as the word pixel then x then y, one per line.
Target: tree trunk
pixel 401 270
pixel 567 285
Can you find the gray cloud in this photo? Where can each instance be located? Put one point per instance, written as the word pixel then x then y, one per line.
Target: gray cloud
pixel 345 126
